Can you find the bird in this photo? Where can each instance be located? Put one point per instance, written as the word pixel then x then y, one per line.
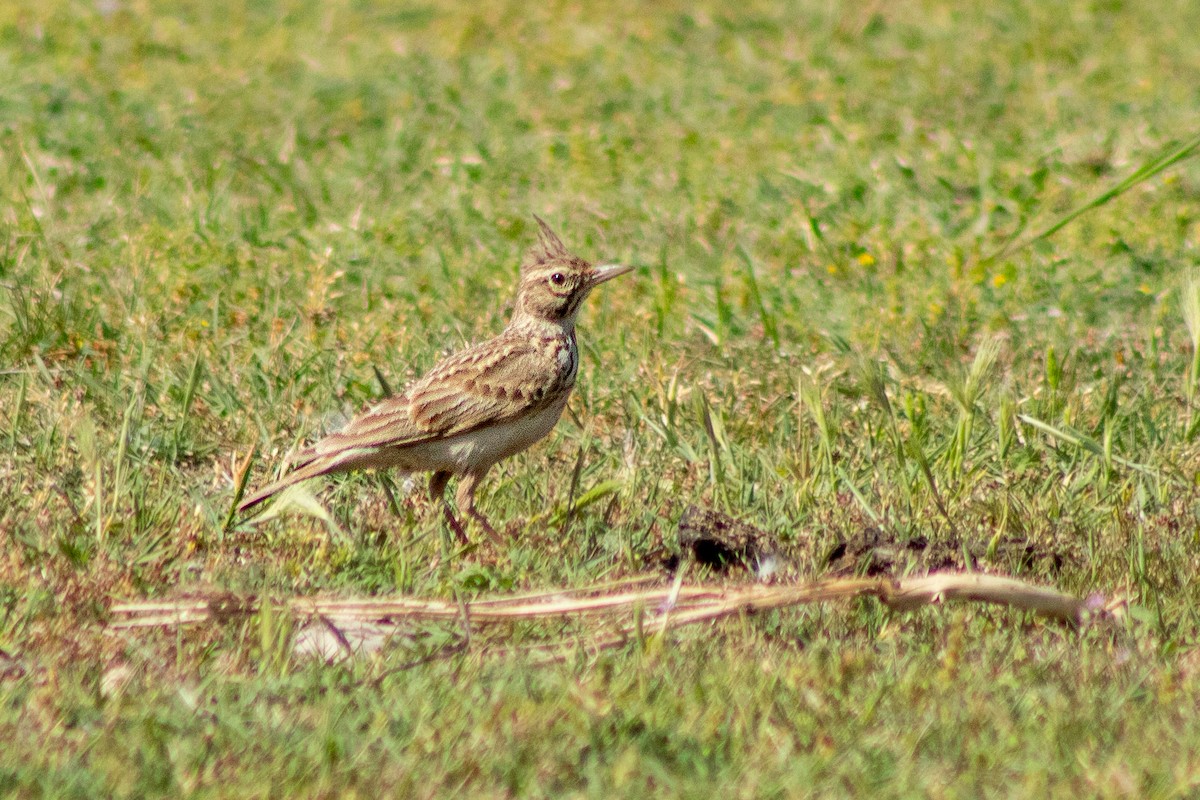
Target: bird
pixel 479 405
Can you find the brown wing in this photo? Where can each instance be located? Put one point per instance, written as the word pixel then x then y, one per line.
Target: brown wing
pixel 492 382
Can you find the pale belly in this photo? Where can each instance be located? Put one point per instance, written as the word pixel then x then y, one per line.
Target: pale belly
pixel 479 448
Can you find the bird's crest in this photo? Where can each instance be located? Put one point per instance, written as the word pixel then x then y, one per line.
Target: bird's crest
pixel 548 247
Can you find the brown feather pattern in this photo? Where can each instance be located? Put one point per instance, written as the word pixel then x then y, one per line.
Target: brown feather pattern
pixel 480 404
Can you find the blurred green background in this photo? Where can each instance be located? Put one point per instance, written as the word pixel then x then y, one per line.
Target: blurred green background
pixel 215 219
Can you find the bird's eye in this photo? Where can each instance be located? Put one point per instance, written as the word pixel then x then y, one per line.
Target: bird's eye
pixel 558 279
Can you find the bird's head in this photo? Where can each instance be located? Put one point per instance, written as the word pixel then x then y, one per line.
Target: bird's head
pixel 555 283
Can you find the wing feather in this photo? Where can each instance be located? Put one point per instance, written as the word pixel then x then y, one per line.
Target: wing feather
pixel 490 383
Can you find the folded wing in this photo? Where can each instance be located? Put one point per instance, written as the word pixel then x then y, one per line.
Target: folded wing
pixel 475 387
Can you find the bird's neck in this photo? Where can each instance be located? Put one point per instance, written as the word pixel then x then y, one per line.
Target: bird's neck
pixel 528 324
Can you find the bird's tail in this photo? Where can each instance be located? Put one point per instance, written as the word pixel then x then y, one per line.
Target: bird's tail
pixel 310 470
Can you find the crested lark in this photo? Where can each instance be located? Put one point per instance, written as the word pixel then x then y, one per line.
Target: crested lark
pixel 480 405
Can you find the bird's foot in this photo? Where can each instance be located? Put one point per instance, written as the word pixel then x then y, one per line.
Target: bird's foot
pixel 456 525
pixel 483 523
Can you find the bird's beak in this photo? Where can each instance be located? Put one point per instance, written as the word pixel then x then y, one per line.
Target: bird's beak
pixel 606 272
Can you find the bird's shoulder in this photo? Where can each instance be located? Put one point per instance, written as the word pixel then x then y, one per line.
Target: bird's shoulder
pixel 511 359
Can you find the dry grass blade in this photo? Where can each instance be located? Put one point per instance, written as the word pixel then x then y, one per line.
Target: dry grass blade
pixel 615 613
pixel 937 588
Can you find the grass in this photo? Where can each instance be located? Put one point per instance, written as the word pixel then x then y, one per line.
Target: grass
pixel 925 268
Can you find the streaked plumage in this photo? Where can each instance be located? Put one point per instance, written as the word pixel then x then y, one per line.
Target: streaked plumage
pixel 480 405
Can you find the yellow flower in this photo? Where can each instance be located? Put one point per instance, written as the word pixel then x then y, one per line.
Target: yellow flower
pixel 999 279
pixel 865 259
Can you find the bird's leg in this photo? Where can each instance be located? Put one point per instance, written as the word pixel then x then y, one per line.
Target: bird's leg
pixel 464 498
pixel 437 493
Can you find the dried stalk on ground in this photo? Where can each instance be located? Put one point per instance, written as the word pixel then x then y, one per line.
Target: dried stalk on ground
pixel 617 612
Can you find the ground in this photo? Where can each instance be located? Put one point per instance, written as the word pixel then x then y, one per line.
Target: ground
pixel 878 314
